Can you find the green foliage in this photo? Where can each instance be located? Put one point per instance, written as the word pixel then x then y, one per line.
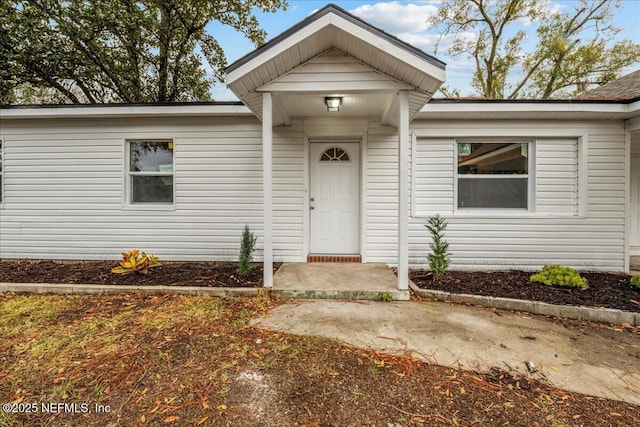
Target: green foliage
pixel 385 296
pixel 558 275
pixel 118 51
pixel 247 246
pixel 635 281
pixel 136 262
pixel 439 256
pixel 574 48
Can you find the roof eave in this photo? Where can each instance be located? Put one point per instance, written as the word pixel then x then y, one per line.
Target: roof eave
pixel 528 109
pixel 124 111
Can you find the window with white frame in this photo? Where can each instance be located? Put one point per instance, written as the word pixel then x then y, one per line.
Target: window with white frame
pixel 493 175
pixel 150 172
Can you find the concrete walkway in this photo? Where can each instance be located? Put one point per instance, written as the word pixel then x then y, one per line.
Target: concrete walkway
pixel 596 361
pixel 337 280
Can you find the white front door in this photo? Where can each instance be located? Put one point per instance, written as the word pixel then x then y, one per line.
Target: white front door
pixel 334 198
pixel 634 206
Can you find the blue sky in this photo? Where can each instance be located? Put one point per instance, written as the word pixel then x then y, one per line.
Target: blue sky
pixel 404 19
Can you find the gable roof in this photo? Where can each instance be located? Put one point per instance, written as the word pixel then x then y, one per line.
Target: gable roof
pixel 626 88
pixel 332 8
pixel 332 29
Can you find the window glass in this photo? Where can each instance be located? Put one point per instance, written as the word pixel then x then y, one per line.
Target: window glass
pixel 151 172
pixel 151 189
pixel 492 158
pixel 334 154
pixel 151 156
pixel 493 175
pixel 498 193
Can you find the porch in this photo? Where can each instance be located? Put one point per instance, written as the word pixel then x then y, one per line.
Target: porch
pixel 332 280
pixel 334 66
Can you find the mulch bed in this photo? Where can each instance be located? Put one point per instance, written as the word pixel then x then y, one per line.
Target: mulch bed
pixel 606 290
pixel 206 274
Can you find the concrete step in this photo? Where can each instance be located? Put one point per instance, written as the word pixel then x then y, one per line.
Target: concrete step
pixel 343 294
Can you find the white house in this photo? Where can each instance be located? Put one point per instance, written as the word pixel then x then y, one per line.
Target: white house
pixel 522 183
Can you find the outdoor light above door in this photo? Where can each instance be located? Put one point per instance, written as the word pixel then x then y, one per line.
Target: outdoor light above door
pixel 333 103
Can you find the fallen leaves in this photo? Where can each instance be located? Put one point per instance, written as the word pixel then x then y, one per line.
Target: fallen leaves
pixel 192 379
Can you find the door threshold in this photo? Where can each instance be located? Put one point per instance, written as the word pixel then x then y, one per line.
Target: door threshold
pixel 333 258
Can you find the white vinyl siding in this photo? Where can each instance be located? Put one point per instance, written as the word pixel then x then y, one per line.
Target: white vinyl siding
pixel 554 232
pixel 64 184
pixel 65 190
pixel 342 72
pixel 433 181
pixel 1 172
pixel 381 204
pixel 557 176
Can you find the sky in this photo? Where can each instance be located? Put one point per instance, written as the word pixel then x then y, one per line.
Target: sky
pixel 404 19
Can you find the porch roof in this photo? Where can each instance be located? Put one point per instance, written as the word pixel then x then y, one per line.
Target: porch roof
pixel 387 64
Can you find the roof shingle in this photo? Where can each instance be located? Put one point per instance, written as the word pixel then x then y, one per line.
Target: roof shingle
pixel 624 88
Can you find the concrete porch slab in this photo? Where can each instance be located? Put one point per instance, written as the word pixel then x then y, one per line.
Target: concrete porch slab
pixel 337 281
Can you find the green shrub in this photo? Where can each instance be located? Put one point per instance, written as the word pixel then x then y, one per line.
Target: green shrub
pixel 385 296
pixel 635 281
pixel 559 275
pixel 247 246
pixel 439 257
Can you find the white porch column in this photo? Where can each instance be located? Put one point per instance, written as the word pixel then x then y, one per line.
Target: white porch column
pixel 403 190
pixel 267 185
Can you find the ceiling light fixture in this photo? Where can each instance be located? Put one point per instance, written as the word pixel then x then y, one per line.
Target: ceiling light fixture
pixel 333 103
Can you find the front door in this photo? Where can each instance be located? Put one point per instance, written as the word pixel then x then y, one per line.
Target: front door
pixel 334 198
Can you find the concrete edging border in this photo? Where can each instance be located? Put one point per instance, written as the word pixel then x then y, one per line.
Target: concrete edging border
pixel 86 289
pixel 82 289
pixel 600 315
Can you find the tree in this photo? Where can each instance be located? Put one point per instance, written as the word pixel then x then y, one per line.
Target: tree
pixel 119 51
pixel 574 50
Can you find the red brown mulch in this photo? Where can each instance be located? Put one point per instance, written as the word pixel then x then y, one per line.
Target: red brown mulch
pixel 608 290
pixel 205 274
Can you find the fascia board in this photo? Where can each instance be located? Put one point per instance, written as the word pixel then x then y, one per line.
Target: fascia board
pixel 520 107
pixel 388 47
pixel 124 111
pixel 634 108
pixel 277 49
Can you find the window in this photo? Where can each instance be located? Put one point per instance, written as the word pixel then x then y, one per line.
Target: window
pixel 493 175
pixel 334 154
pixel 150 173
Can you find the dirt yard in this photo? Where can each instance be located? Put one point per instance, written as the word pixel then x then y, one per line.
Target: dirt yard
pixel 176 360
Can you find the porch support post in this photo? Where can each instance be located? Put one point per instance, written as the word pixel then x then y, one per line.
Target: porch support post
pixel 403 190
pixel 267 185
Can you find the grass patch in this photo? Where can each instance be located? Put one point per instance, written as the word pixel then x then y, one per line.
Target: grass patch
pixel 27 311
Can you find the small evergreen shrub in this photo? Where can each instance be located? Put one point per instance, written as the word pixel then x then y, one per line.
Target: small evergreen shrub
pixel 439 256
pixel 635 281
pixel 247 246
pixel 559 275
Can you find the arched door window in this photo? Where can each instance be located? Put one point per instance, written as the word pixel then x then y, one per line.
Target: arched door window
pixel 334 154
